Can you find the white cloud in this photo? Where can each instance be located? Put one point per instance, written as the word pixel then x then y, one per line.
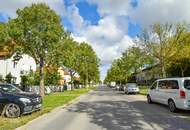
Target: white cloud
pixel 76 20
pixel 9 7
pixel 112 7
pixel 108 38
pixel 151 11
pixel 106 32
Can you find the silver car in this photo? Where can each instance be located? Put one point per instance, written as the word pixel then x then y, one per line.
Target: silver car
pixel 131 88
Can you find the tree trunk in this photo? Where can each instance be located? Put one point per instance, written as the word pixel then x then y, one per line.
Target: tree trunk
pixel 71 74
pixel 163 71
pixel 42 77
pixel 87 80
pixel 182 73
pixel 163 68
pixel 183 69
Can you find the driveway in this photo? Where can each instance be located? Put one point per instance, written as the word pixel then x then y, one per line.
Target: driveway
pixel 106 109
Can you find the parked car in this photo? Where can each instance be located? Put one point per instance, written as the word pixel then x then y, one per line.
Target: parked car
pixel 131 88
pixel 117 87
pixel 14 102
pixel 174 92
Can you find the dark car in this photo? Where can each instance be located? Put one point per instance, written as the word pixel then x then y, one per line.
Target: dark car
pixel 14 102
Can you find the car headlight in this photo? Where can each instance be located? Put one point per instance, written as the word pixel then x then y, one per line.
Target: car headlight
pixel 26 100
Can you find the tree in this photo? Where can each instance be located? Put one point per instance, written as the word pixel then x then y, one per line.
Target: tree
pixel 52 77
pixel 117 72
pixel 135 58
pixel 3 35
pixel 89 64
pixel 158 44
pixel 131 61
pixel 70 56
pixel 181 59
pixel 7 45
pixel 37 29
pixel 9 78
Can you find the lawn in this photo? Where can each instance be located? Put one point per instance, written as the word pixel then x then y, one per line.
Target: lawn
pixel 49 102
pixel 143 90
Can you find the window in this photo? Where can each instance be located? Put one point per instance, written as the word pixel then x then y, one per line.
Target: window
pixel 154 85
pixel 187 84
pixel 9 88
pixel 168 84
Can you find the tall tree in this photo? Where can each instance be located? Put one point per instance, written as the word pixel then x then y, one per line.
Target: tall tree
pixel 70 56
pixel 37 29
pixel 6 43
pixel 89 64
pixel 181 59
pixel 156 42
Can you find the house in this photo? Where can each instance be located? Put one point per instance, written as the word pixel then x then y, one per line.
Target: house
pixel 16 68
pixel 147 75
pixel 65 76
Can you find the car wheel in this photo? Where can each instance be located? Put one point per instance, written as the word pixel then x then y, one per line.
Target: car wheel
pixel 149 99
pixel 12 110
pixel 172 106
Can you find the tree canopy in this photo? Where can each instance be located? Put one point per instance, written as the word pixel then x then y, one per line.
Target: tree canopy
pixel 38 32
pixel 164 45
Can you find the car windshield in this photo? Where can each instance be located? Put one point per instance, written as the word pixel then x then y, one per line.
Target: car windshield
pixel 9 88
pixel 132 85
pixel 187 84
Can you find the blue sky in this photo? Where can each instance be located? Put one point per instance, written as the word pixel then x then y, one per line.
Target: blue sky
pixel 108 25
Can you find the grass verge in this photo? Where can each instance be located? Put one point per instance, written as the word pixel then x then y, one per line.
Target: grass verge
pixel 49 102
pixel 143 90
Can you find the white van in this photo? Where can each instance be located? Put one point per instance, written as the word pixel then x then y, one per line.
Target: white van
pixel 174 92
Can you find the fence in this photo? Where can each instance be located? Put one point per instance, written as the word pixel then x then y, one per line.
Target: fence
pixel 48 89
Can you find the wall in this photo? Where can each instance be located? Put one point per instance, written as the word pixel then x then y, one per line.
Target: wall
pixel 25 64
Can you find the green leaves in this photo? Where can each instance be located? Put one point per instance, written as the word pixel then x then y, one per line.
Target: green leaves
pixel 36 29
pixel 132 60
pixel 38 32
pixel 164 45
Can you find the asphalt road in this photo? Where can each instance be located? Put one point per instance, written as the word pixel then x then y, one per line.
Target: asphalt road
pixel 106 109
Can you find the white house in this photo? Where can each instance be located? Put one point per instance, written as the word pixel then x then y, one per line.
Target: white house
pixel 25 64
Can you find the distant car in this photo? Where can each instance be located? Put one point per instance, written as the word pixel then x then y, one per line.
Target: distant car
pixel 131 88
pixel 117 87
pixel 174 92
pixel 14 102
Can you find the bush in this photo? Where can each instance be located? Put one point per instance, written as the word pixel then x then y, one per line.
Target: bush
pixel 33 78
pixel 9 78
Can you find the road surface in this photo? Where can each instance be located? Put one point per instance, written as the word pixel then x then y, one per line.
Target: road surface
pixel 106 109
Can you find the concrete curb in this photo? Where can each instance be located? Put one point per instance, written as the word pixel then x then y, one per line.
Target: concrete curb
pixel 54 110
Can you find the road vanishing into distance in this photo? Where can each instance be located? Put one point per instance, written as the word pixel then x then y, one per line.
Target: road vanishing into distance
pixel 107 109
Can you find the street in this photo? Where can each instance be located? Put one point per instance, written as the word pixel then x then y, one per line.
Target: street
pixel 107 109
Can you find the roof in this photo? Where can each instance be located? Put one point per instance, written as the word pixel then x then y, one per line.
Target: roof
pixel 146 69
pixel 4 53
pixel 150 67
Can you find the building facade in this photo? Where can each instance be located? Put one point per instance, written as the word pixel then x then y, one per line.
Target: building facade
pixel 16 69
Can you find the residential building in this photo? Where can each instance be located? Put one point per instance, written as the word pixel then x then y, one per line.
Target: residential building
pixel 147 76
pixel 65 76
pixel 16 68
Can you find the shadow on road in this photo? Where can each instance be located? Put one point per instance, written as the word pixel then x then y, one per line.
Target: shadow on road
pixel 122 115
